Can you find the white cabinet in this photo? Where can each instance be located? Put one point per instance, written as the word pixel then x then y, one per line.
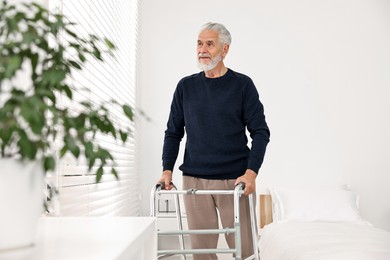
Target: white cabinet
pixel 91 238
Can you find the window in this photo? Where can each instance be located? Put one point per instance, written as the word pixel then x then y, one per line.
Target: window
pixel 79 195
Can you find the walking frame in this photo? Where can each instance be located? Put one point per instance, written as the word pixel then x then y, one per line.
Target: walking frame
pixel 159 189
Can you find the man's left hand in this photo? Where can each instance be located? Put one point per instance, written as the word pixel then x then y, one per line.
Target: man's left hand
pixel 249 178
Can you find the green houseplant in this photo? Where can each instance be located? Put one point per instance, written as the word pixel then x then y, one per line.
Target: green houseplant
pixel 30 119
pixel 33 121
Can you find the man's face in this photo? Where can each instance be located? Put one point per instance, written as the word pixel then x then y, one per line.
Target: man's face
pixel 209 50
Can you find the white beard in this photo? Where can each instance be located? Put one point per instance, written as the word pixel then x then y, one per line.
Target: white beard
pixel 213 63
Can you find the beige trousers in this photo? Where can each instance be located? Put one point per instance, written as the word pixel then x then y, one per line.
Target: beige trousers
pixel 202 214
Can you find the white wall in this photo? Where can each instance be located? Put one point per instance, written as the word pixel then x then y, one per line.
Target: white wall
pixel 322 70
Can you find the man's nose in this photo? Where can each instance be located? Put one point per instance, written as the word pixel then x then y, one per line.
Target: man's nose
pixel 202 49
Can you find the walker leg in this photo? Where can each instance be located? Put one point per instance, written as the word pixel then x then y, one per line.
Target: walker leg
pixel 237 225
pixel 238 240
pixel 179 224
pixel 254 227
pixel 153 198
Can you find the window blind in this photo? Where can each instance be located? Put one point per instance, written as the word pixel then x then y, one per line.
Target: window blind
pixel 79 195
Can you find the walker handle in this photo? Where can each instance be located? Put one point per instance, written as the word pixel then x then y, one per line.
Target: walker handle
pixel 241 184
pixel 162 185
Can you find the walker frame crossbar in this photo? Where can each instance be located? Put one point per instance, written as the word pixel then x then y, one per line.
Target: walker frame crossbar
pixel 236 230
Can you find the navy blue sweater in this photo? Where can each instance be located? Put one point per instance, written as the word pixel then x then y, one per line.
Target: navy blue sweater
pixel 214 113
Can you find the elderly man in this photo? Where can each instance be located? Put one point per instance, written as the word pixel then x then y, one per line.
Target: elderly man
pixel 214 108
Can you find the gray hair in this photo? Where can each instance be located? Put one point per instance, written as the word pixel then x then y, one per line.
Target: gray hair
pixel 224 34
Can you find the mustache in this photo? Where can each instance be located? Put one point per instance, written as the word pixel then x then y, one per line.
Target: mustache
pixel 203 55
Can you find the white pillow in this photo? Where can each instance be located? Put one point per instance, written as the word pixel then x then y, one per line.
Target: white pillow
pixel 315 204
pixel 276 203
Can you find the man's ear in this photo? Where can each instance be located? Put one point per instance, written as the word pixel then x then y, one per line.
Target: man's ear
pixel 225 50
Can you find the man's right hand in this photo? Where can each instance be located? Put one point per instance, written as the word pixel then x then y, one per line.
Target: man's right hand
pixel 167 179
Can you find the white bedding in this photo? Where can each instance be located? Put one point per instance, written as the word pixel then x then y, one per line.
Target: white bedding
pixel 323 241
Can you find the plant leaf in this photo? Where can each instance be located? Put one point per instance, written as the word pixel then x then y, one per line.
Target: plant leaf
pixel 49 163
pixel 103 155
pixel 34 61
pixel 14 63
pixel 99 174
pixel 123 136
pixel 27 148
pixel 30 110
pixel 82 57
pixel 53 76
pixel 6 134
pixel 109 44
pixel 115 173
pixel 74 64
pixel 68 91
pixel 72 146
pixel 128 112
pixel 91 162
pixel 71 33
pixel 88 149
pixel 63 150
pixel 96 52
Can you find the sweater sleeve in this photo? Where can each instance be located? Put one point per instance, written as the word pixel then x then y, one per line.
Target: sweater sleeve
pixel 254 120
pixel 174 132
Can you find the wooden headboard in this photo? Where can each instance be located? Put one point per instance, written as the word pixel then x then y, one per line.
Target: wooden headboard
pixel 265 210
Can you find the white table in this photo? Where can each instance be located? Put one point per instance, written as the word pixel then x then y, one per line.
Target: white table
pixel 92 238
